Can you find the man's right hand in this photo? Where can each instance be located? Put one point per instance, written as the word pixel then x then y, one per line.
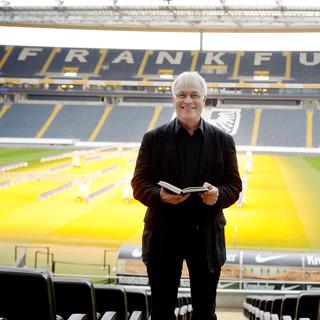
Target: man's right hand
pixel 172 198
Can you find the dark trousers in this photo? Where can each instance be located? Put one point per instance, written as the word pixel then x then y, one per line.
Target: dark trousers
pixel 164 272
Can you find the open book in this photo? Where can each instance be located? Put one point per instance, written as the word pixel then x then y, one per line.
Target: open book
pixel 177 190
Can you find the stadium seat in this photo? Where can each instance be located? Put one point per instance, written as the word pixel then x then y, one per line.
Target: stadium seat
pixel 247 305
pixel 181 310
pixel 26 294
pixel 261 308
pixel 111 298
pixel 137 304
pixel 75 296
pixel 258 309
pixel 267 308
pixel 308 306
pixel 149 301
pixel 288 307
pixel 187 308
pixel 276 307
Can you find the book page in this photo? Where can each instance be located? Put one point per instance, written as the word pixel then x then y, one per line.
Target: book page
pixel 170 187
pixel 177 190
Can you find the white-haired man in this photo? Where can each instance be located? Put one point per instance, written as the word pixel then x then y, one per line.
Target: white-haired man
pixel 185 152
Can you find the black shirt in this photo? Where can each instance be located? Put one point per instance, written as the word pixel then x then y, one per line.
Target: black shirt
pixel 189 149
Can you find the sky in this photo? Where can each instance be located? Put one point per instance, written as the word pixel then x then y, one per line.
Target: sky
pixel 159 40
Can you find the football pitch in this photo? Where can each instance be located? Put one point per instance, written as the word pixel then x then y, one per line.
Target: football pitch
pixel 40 203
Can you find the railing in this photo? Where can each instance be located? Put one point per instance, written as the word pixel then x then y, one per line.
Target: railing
pixel 26 248
pixel 105 267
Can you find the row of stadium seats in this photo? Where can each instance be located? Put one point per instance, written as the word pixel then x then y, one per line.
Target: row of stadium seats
pixel 35 294
pixel 128 64
pixel 97 122
pixel 303 306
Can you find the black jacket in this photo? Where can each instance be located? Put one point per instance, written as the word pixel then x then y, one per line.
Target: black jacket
pixel 158 160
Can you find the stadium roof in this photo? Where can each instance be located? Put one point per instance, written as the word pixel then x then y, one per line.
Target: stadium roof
pixel 165 15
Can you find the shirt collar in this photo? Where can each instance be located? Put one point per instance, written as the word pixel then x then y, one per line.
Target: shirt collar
pixel 178 126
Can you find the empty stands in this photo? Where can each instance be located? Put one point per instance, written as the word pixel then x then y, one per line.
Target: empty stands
pixel 24 120
pixel 267 127
pixel 34 294
pixel 304 305
pixel 286 128
pixel 111 298
pixel 74 296
pixel 26 294
pixel 138 304
pixel 132 65
pixel 308 306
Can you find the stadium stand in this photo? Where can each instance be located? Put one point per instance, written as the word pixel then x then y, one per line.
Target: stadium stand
pixel 261 98
pixel 111 298
pixel 74 296
pixel 99 302
pixel 126 124
pixel 26 294
pixel 271 128
pixel 308 306
pixel 137 304
pixel 20 120
pixel 33 294
pixel 115 96
pixel 128 64
pixel 304 305
pixel 288 306
pixel 75 121
pixel 279 128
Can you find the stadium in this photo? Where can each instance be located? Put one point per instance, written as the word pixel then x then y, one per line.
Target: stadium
pixel 71 123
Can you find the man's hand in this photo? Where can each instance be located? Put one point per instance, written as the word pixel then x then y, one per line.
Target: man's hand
pixel 211 196
pixel 172 198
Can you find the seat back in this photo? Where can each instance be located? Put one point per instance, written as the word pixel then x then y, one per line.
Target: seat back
pixel 288 306
pixel 308 306
pixel 256 308
pixel 138 301
pixel 26 294
pixel 74 296
pixel 111 298
pixel 276 307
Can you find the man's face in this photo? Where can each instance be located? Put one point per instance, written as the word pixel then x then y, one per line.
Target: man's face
pixel 189 103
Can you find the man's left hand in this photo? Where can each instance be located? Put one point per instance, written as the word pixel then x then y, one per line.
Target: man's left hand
pixel 211 196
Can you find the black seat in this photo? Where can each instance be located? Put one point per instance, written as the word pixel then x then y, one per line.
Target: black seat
pixel 267 308
pixel 177 311
pixel 288 306
pixel 184 311
pixel 137 304
pixel 261 307
pixel 26 294
pixel 255 311
pixel 111 298
pixel 74 296
pixel 247 306
pixel 276 307
pixel 308 306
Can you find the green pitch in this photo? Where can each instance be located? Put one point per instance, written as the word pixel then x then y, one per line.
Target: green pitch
pixel 280 210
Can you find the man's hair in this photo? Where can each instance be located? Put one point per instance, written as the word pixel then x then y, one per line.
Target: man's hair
pixel 188 79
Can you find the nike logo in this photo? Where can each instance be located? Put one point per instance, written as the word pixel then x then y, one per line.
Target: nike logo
pixel 283 287
pixel 226 285
pixel 261 259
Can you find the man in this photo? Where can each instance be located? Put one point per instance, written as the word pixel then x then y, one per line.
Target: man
pixel 185 152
